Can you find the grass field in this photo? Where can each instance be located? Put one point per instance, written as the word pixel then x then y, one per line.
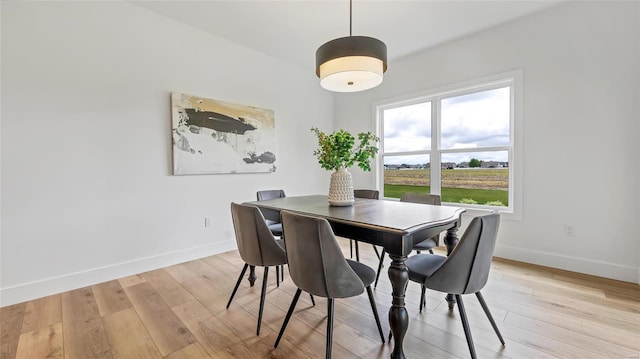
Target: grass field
pixel 479 185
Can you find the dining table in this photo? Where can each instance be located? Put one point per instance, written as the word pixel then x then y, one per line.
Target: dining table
pixel 394 225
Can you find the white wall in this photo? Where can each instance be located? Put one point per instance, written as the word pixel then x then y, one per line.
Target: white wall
pixel 638 142
pixel 581 65
pixel 87 190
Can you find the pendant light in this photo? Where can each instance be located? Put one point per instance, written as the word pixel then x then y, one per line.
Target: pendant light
pixel 352 63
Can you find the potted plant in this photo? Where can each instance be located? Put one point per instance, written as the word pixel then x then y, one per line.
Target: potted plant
pixel 337 152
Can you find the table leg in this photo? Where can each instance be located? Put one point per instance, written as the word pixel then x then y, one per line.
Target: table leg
pixel 398 316
pixel 252 275
pixel 450 240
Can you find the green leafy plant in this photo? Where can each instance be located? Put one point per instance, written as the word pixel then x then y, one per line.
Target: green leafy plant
pixel 339 149
pixel 468 201
pixel 495 203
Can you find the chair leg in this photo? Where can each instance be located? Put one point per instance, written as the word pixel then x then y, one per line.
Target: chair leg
pixel 488 313
pixel 278 276
pixel 235 289
pixel 379 268
pixel 312 300
pixel 351 248
pixel 357 251
pixel 431 251
pixel 375 312
pixel 286 319
pixel 423 301
pixel 376 250
pixel 280 270
pixel 329 327
pixel 465 326
pixel 262 295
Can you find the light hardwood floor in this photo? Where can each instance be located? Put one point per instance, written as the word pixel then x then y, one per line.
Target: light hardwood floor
pixel 179 312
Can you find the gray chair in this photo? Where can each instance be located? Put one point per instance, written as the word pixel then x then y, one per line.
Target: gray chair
pixel 257 247
pixel 464 271
pixel 274 226
pixel 427 244
pixel 317 266
pixel 368 194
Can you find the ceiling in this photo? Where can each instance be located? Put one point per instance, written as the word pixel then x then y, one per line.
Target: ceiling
pixel 293 30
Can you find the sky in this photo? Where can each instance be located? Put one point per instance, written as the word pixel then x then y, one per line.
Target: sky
pixel 475 120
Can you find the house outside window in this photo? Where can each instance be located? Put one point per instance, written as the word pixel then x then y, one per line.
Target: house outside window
pixel 460 142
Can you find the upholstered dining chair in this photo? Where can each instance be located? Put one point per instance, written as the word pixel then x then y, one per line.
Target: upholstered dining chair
pixel 464 271
pixel 425 245
pixel 257 247
pixel 317 266
pixel 274 226
pixel 368 194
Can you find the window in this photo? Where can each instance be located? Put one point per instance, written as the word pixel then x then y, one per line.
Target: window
pixel 458 143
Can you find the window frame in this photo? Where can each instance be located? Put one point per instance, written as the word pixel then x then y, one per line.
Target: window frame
pixel 511 79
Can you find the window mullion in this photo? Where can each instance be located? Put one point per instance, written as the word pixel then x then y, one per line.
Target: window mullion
pixel 476 149
pixel 435 157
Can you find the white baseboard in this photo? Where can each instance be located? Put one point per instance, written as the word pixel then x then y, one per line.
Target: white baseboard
pixel 580 265
pixel 49 286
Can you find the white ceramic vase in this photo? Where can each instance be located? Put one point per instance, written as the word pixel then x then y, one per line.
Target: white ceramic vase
pixel 341 188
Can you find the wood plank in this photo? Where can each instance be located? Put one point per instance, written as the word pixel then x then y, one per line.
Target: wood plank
pixel 167 287
pixel 588 342
pixel 83 331
pixel 306 330
pixel 201 288
pixel 11 319
pixel 224 281
pixel 244 324
pixel 414 347
pixel 110 297
pixel 570 320
pixel 223 266
pixel 233 257
pixel 128 336
pixel 352 339
pixel 167 331
pixel 41 313
pixel 180 273
pixel 594 310
pixel 45 342
pixel 131 280
pixel 193 351
pixel 212 333
pixel 445 333
pixel 211 275
pixel 263 348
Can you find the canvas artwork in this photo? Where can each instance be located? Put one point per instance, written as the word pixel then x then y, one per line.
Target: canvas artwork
pixel 211 136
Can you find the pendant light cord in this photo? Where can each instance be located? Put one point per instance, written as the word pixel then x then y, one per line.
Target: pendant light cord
pixel 350 16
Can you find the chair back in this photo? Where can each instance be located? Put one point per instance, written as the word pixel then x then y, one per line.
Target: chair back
pixel 466 270
pixel 315 259
pixel 270 194
pixel 417 197
pixel 256 244
pixel 366 193
pixel 423 198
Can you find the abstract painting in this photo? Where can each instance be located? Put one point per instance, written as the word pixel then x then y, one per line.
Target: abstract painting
pixel 212 136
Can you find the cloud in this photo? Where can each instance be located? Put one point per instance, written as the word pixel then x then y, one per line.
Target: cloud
pixel 476 120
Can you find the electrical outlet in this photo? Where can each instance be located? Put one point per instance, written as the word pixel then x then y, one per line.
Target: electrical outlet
pixel 569 230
